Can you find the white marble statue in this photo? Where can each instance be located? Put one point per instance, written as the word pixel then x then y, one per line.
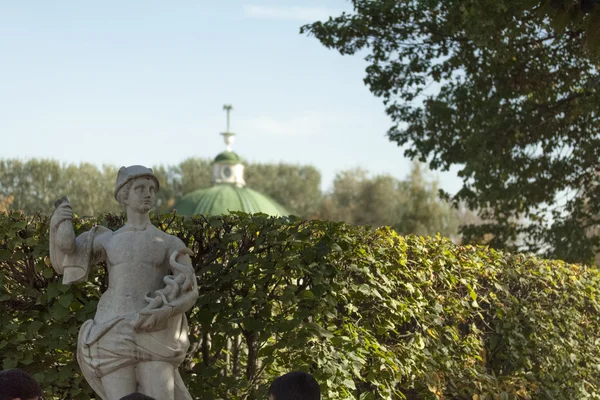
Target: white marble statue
pixel 139 335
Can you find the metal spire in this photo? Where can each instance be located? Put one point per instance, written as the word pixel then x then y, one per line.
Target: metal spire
pixel 227 108
pixel 227 135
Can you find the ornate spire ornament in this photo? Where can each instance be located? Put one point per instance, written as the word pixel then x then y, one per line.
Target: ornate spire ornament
pixel 228 192
pixel 227 135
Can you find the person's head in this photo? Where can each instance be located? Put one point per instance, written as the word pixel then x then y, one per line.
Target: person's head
pixel 295 386
pixel 138 194
pixel 137 396
pixel 136 187
pixel 16 384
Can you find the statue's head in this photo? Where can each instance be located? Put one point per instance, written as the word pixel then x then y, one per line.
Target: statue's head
pixel 138 185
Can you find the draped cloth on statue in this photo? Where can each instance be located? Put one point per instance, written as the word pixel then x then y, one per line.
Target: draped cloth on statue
pixel 105 348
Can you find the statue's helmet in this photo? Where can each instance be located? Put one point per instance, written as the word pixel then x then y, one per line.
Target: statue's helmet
pixel 127 174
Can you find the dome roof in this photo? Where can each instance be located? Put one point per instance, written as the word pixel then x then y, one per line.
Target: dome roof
pixel 222 198
pixel 228 157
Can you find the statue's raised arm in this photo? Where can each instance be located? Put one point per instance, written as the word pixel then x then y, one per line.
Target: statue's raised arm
pixel 70 256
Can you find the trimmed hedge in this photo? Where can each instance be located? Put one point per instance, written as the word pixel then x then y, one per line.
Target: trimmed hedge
pixel 371 314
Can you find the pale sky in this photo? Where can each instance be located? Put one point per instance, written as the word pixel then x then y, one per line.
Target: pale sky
pixel 144 82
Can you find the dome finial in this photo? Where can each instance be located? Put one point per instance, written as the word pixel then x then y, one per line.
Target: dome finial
pixel 227 135
pixel 227 108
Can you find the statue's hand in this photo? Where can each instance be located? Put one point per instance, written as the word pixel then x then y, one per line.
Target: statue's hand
pixel 64 236
pixel 63 212
pixel 152 320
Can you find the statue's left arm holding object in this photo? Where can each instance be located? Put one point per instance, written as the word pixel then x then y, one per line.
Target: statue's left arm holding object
pixel 72 256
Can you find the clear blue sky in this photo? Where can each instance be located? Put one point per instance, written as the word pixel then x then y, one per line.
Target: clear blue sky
pixel 144 82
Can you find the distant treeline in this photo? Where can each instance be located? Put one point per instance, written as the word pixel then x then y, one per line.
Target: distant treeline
pixel 411 205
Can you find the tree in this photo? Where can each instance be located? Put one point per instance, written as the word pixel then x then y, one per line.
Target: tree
pixel 5 202
pixel 177 180
pixel 297 187
pixel 579 14
pixel 515 107
pixel 411 206
pixel 195 173
pixel 344 203
pixel 425 213
pixel 34 186
pixel 90 189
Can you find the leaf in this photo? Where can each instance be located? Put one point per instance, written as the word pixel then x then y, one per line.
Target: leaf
pixel 34 326
pixel 472 293
pixel 65 300
pixel 9 363
pixel 306 294
pixel 320 330
pixel 5 254
pixel 47 273
pixel 59 312
pixel 53 291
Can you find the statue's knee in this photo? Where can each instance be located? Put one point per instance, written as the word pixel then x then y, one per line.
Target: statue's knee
pixel 156 379
pixel 120 383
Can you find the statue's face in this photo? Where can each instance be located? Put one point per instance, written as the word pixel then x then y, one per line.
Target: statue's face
pixel 142 195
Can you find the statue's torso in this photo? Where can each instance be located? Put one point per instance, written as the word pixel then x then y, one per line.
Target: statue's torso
pixel 137 262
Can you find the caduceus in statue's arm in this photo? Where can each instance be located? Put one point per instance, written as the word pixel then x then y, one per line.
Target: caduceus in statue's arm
pixel 178 296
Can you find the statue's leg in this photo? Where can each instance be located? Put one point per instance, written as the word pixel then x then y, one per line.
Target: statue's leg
pixel 157 379
pixel 120 383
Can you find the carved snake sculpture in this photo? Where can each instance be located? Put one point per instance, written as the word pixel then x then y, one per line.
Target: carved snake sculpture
pixel 177 288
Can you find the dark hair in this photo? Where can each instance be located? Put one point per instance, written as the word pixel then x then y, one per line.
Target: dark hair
pixel 137 396
pixel 16 383
pixel 295 386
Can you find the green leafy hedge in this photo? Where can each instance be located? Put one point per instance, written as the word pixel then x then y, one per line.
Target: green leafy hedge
pixel 371 314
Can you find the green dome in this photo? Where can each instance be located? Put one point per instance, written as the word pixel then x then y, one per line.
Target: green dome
pixel 228 157
pixel 222 198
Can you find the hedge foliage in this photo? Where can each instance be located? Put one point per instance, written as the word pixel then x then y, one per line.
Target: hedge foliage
pixel 373 315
